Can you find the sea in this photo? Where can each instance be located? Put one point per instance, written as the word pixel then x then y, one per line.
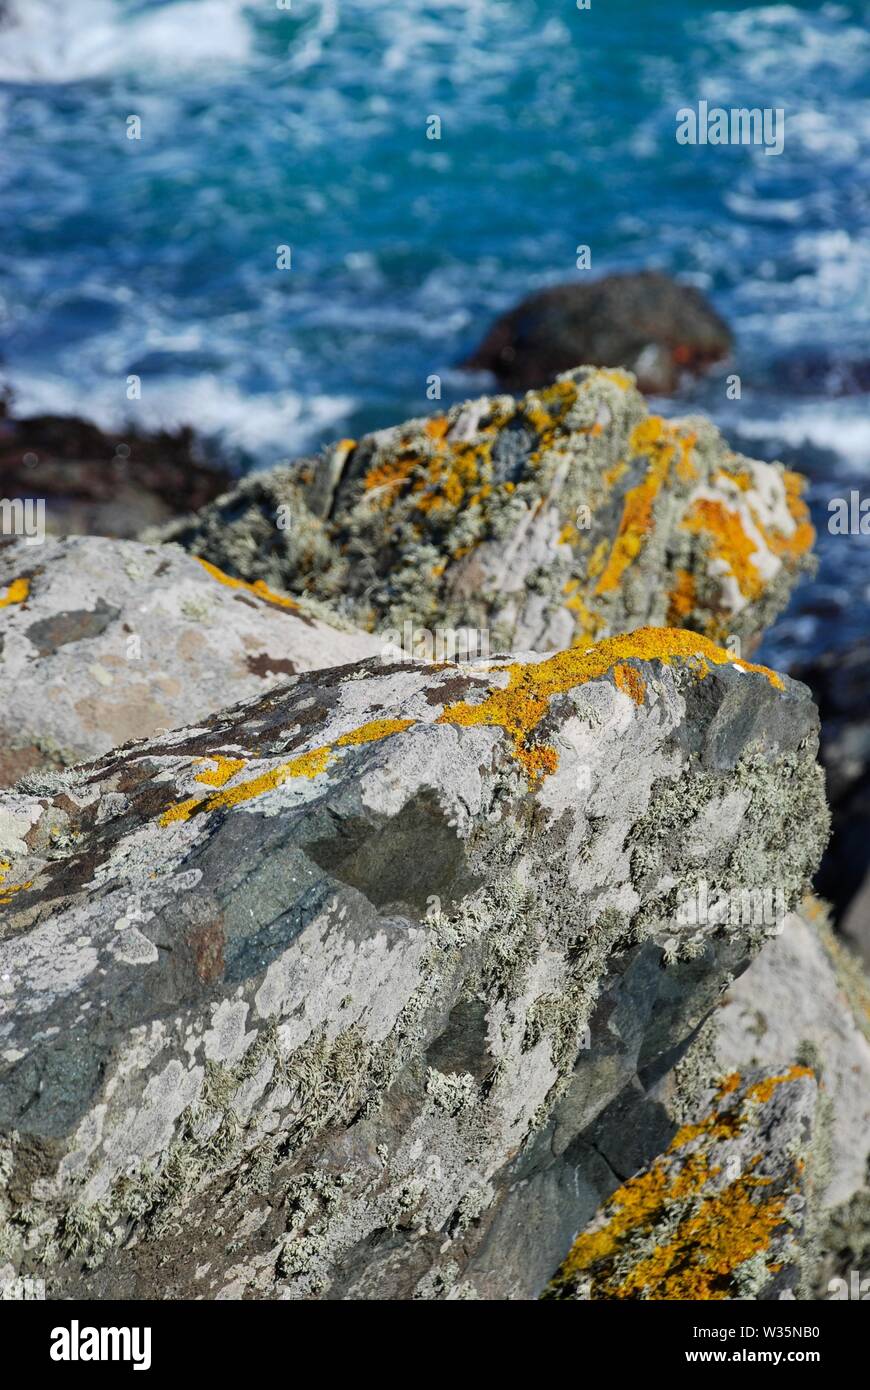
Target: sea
pixel 242 204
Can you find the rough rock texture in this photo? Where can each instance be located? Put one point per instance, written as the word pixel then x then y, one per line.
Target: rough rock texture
pixel 373 987
pixel 567 516
pixel 646 322
pixel 94 481
pixel 102 641
pixel 722 1214
pixel 806 996
pixel 839 681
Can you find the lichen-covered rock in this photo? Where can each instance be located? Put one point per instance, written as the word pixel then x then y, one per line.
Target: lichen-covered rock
pixel 366 988
pixel 721 1214
pixel 805 995
pixel 102 641
pixel 645 321
pixel 564 517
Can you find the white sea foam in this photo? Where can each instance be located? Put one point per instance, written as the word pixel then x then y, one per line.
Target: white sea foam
pixel 270 426
pixel 44 41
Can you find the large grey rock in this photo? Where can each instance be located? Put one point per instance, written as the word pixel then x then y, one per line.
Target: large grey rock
pixel 564 517
pixel 102 641
pixel 374 987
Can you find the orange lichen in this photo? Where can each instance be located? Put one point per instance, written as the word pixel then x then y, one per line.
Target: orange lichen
pixel 373 731
pixel 686 469
pixel 519 706
pixel 728 542
pixel 385 478
pixel 225 769
pixel 740 478
pixel 705 1238
pixel 802 538
pixel 8 890
pixel 682 597
pixel 309 764
pixel 16 592
pixel 655 438
pixel 618 377
pixel 259 587
pixel 629 680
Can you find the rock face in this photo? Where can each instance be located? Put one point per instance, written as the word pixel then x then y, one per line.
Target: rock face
pixel 374 987
pixel 102 641
pixel 721 1214
pixel 839 681
pixel 645 322
pixel 564 517
pixel 91 480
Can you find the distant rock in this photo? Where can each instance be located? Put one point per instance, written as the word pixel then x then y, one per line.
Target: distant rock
pixel 102 641
pixel 94 481
pixel 561 518
pixel 643 321
pixel 368 987
pixel 722 1214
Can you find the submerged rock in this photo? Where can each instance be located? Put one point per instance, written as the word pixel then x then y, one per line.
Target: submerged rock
pixel 368 987
pixel 558 519
pixel 722 1214
pixel 644 321
pixel 102 641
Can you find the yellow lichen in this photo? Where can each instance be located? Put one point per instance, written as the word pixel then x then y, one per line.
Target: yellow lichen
pixel 629 680
pixel 519 706
pixel 728 542
pixel 16 592
pixel 259 587
pixel 309 764
pixel 373 731
pixel 8 890
pixel 704 1238
pixel 682 597
pixel 653 437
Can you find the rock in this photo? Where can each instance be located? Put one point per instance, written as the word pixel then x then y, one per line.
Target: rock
pixel 102 641
pixel 839 681
pixel 367 988
pixel 802 997
pixel 806 996
pixel 721 1215
pixel 95 481
pixel 643 321
pixel 505 525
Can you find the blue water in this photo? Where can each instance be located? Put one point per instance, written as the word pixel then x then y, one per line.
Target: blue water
pixel 264 127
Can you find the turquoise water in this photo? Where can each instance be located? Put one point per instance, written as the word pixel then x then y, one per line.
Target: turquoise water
pixel 264 127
